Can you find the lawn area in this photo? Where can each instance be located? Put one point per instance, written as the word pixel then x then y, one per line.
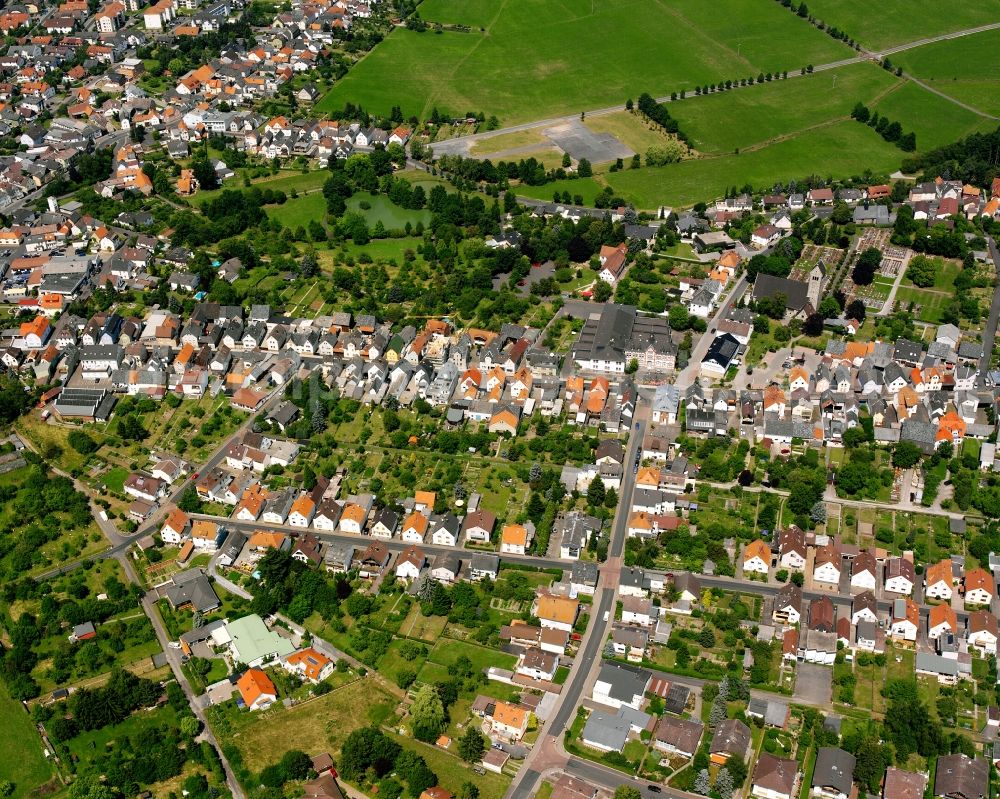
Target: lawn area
pixel 957 67
pixel 299 211
pixel 51 440
pixel 928 304
pixel 452 771
pixel 842 149
pixel 379 250
pixel 21 758
pixel 762 112
pixel 96 740
pixel 898 21
pixel 547 52
pixel 447 651
pixel 382 209
pixel 417 625
pixel 313 726
pixel 285 181
pixel 114 479
pixel 933 119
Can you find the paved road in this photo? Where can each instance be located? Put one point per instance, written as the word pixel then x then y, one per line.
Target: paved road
pixel 990 331
pixel 588 659
pixel 197 707
pixel 689 374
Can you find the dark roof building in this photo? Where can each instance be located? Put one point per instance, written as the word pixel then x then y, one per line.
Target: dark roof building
pixel 961 777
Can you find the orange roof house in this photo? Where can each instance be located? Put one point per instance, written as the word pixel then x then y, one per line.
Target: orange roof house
pixel 312 665
pixel 256 689
pixel 942 614
pixel 37 327
pixel 951 427
pixel 648 476
pixel 266 539
pixel 513 537
pixel 757 549
pixel 557 611
pixel 510 720
pixel 425 498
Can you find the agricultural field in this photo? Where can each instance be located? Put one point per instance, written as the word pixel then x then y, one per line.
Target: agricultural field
pixel 935 120
pixel 721 123
pixel 957 66
pixel 535 59
pixel 898 22
pixel 841 149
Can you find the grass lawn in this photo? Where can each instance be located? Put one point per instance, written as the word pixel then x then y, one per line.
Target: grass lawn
pixel 928 304
pixel 720 123
pixel 115 478
pixel 285 181
pixel 47 437
pixel 382 209
pixel 417 625
pixel 299 211
pixel 842 149
pixel 898 21
pixel 317 725
pixel 379 250
pixel 96 740
pixel 452 771
pixel 446 652
pixel 934 119
pixel 956 67
pixel 21 758
pixel 546 52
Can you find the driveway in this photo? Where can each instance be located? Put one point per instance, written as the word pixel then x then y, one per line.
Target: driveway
pixel 813 684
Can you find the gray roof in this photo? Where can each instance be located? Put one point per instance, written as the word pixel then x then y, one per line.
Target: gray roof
pixel 192 587
pixel 626 682
pixel 795 291
pixel 961 776
pixel 834 769
pixel 607 730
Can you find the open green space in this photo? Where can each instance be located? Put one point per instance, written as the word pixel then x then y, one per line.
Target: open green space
pixel 935 120
pixel 728 120
pixel 286 181
pixel 842 149
pixel 959 67
pixel 898 21
pixel 21 758
pixel 453 772
pixel 299 211
pixel 446 652
pixel 536 59
pixel 382 209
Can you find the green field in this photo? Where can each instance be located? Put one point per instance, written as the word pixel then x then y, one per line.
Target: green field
pixel 300 210
pixel 959 67
pixel 384 210
pixel 934 119
pixel 898 21
pixel 720 123
pixel 841 149
pixel 537 59
pixel 21 758
pixel 285 180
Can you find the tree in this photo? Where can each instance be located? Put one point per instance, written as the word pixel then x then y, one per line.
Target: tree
pixel 367 748
pixel 813 326
pixel 922 271
pixel 601 291
pixel 596 492
pixel 906 455
pixel 706 638
pixel 627 792
pixel 428 713
pixel 469 790
pixel 724 783
pixel 702 785
pixel 866 266
pixel 471 745
pixel 584 169
pixel 189 726
pixel 829 308
pixel 856 310
pixel 296 764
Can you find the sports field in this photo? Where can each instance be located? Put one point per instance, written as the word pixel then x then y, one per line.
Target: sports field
pixel 895 22
pixel 720 123
pixel 542 58
pixel 960 67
